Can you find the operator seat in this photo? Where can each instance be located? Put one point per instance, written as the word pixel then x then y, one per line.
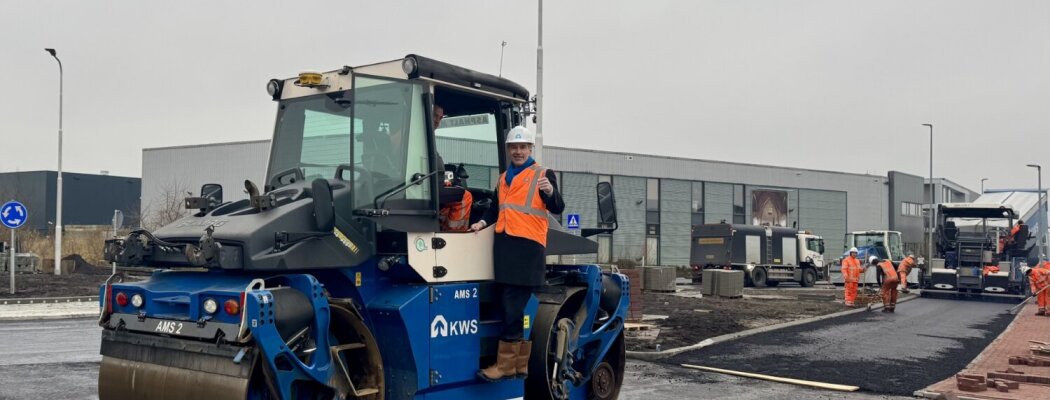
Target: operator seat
pixel 951 232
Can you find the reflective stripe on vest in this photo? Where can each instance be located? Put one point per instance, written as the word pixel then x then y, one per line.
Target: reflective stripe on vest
pixel 521 210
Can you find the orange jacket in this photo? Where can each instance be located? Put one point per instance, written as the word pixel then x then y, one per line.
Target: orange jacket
pixel 455 217
pixel 522 212
pixel 851 269
pixel 906 265
pixel 888 272
pixel 1039 278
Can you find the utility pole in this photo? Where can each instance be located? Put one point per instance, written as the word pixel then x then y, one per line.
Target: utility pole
pixel 58 200
pixel 933 198
pixel 538 152
pixel 1042 213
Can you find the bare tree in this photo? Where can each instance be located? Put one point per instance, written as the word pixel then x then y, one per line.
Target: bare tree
pixel 166 208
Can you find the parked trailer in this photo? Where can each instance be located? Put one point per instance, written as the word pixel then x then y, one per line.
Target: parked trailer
pixel 767 255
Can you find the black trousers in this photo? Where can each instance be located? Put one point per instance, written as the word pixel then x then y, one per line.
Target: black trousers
pixel 514 298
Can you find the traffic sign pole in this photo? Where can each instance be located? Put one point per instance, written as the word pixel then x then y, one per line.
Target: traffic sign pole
pixel 13 215
pixel 12 265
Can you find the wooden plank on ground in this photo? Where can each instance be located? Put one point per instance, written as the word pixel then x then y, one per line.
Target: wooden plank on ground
pixel 801 382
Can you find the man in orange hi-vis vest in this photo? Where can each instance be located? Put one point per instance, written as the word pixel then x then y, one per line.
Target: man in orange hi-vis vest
pixel 1039 278
pixel 851 271
pixel 525 194
pixel 904 269
pixel 889 283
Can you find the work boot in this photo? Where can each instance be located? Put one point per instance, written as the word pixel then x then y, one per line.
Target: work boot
pixel 504 366
pixel 521 362
pixel 1042 311
pixel 885 309
pixel 892 309
pixel 905 291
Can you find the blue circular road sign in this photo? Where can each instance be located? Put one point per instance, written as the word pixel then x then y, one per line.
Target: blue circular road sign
pixel 13 214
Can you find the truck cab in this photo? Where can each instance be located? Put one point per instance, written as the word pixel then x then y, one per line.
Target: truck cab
pixel 879 243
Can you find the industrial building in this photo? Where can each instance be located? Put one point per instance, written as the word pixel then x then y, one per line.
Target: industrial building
pixel 659 198
pixel 87 199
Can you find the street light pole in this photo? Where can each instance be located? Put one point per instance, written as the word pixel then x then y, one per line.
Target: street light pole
pixel 1042 212
pixel 933 198
pixel 982 185
pixel 58 201
pixel 539 84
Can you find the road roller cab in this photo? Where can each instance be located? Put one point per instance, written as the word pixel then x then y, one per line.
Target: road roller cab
pixel 335 277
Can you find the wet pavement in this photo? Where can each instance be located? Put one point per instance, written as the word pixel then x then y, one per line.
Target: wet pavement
pixel 49 359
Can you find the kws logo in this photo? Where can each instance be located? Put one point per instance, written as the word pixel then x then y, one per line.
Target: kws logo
pixel 440 327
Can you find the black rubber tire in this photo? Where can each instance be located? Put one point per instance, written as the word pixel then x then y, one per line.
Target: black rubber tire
pixel 603 383
pixel 809 277
pixel 616 359
pixel 758 277
pixel 537 384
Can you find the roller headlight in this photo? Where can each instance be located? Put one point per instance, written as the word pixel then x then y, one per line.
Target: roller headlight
pixel 273 88
pixel 210 306
pixel 136 300
pixel 409 66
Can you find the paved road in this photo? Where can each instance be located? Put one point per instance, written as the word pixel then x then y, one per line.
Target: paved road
pixel 925 341
pixel 50 359
pixel 932 339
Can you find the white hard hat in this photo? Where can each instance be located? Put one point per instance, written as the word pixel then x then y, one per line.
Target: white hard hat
pixel 873 259
pixel 853 250
pixel 1025 269
pixel 520 134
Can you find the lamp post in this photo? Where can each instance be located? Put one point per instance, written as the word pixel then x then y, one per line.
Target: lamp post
pixel 982 185
pixel 933 197
pixel 1042 211
pixel 539 83
pixel 58 201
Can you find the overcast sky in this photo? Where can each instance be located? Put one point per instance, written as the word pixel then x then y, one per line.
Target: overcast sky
pixel 836 85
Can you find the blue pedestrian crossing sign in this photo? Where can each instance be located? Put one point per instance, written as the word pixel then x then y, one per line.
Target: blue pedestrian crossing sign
pixel 572 221
pixel 13 214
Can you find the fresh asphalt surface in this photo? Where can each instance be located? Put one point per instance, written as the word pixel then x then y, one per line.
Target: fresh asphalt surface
pixel 931 339
pixel 924 342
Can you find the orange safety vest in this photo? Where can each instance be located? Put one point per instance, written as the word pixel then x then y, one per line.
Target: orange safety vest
pixel 851 269
pixel 1043 265
pixel 1039 279
pixel 889 273
pixel 455 217
pixel 521 210
pixel 906 265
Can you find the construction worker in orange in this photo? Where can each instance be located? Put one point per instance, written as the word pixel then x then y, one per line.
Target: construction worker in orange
pixel 889 283
pixel 1039 278
pixel 851 271
pixel 904 269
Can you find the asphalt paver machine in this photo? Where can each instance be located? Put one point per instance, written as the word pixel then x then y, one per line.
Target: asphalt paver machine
pixel 334 280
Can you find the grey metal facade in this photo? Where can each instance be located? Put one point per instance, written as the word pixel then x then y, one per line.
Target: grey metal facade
pixel 87 199
pixel 905 193
pixel 185 168
pixel 825 202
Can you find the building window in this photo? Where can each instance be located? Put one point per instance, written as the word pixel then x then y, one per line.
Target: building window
pixel 738 204
pixel 652 195
pixel 698 204
pixel 604 178
pixel 652 251
pixel 911 209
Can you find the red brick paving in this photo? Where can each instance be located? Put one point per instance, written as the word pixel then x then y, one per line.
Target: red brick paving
pixel 1014 341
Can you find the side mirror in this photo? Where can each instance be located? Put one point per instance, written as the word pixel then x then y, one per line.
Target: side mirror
pixel 213 193
pixel 606 211
pixel 324 208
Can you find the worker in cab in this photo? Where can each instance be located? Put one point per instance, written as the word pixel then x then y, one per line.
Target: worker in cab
pixel 1039 279
pixel 889 283
pixel 851 271
pixel 904 269
pixel 1017 235
pixel 525 195
pixel 454 198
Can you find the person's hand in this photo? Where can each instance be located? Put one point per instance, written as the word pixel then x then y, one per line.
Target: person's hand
pixel 477 226
pixel 545 186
